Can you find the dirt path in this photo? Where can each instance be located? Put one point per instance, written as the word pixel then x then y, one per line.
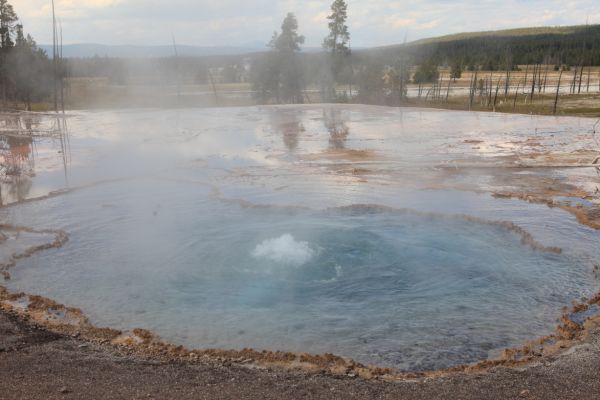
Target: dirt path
pixel 35 364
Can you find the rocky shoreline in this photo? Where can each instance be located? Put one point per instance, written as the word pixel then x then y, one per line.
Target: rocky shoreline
pixel 36 363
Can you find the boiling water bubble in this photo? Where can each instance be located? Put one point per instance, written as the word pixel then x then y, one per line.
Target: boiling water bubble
pixel 284 249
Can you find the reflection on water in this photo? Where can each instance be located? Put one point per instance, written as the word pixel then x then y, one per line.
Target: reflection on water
pixel 19 133
pixel 334 121
pixel 288 125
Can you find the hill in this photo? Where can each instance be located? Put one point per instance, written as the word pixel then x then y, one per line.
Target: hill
pixel 517 32
pixel 571 45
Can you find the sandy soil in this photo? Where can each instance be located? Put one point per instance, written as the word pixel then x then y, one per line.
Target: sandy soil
pixel 36 364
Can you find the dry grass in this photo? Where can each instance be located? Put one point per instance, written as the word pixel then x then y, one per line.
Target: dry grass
pixel 584 105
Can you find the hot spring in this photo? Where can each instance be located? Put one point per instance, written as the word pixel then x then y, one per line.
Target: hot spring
pixel 308 229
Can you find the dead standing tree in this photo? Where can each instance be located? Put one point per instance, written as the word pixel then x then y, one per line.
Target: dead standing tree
pixel 545 82
pixel 508 72
pixel 55 57
pixel 574 81
pixel 472 89
pixel 516 94
pixel 496 94
pixel 557 91
pixel 533 81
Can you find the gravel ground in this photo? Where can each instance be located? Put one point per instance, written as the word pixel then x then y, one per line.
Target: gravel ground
pixel 36 364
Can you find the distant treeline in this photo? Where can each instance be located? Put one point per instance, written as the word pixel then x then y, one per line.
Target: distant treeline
pixel 570 46
pixel 121 71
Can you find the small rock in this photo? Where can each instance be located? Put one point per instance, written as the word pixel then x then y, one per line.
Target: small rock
pixel 524 393
pixel 64 390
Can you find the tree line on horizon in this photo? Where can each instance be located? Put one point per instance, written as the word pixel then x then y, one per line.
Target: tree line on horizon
pixel 282 74
pixel 579 46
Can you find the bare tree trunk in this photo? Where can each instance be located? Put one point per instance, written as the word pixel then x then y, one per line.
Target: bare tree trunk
pixel 580 78
pixel 546 76
pixel 508 73
pixel 214 87
pixel 516 95
pixel 470 92
pixel 557 91
pixel 533 82
pixel 574 83
pixel 473 88
pixel 61 71
pixel 54 57
pixel 588 78
pixel 401 82
pixel 489 92
pixel 496 95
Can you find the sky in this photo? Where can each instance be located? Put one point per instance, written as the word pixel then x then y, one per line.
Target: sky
pixel 243 22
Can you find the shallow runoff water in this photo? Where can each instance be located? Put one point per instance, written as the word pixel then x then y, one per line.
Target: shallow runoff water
pixel 310 229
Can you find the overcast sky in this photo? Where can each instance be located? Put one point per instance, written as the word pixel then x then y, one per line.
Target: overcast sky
pixel 237 22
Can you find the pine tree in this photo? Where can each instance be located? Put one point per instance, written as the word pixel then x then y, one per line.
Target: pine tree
pixel 289 40
pixel 25 71
pixel 8 21
pixel 337 42
pixel 339 37
pixel 279 75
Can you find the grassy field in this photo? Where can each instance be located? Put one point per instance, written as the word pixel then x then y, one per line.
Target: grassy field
pixel 575 105
pixel 584 100
pixel 35 107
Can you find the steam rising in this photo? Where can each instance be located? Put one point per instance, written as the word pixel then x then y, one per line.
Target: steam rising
pixel 284 249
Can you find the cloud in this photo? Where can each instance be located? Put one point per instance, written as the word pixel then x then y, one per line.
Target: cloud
pixel 395 22
pixel 87 3
pixel 321 17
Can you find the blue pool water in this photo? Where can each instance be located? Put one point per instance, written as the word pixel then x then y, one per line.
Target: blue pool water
pixel 386 286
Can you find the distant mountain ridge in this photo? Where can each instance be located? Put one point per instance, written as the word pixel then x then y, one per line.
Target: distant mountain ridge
pixel 87 50
pixel 532 38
